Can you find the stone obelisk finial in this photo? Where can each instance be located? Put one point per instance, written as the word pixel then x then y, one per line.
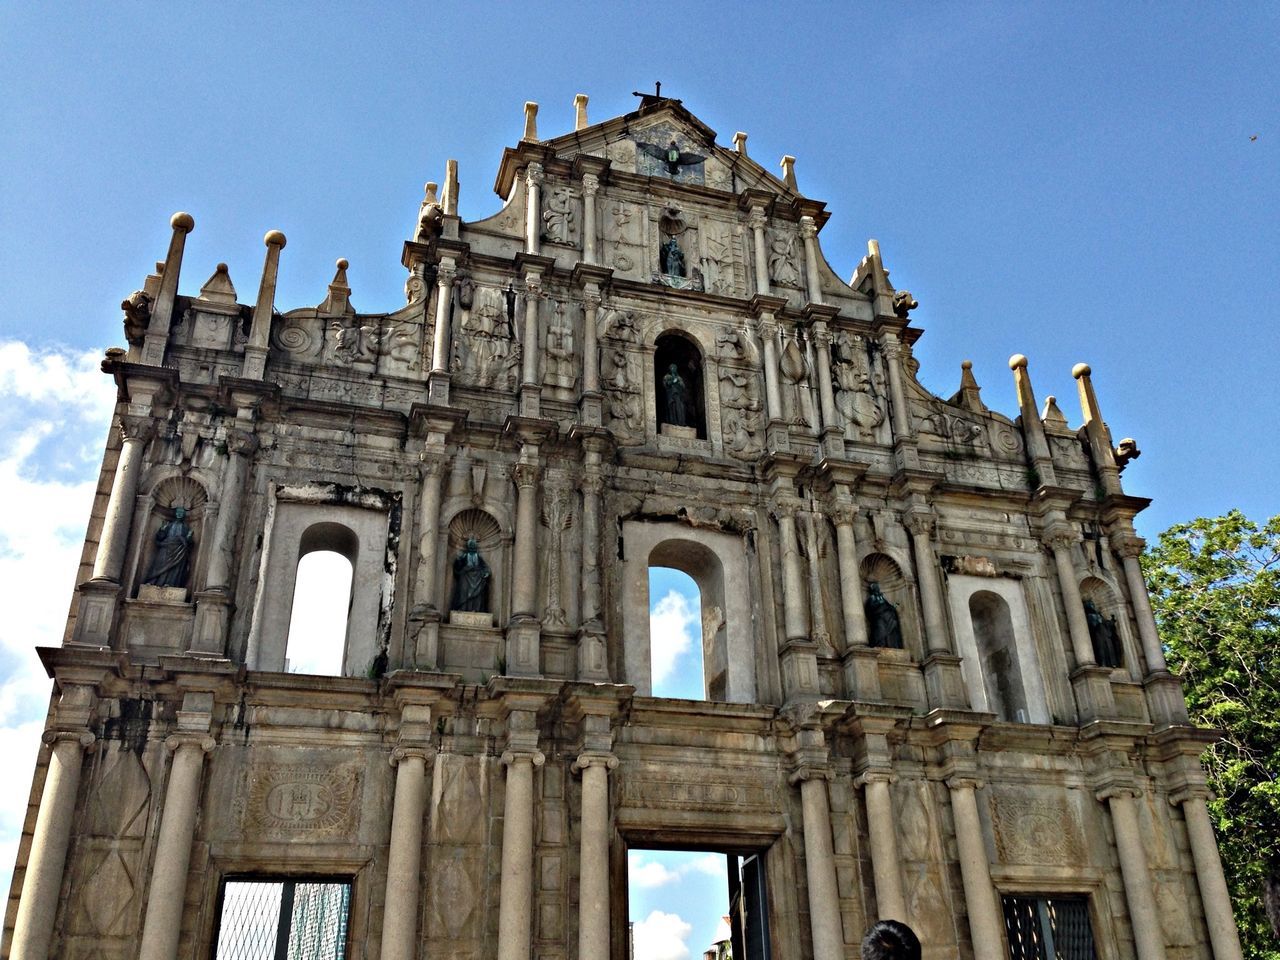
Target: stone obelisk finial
pixel 1032 425
pixel 157 337
pixel 255 349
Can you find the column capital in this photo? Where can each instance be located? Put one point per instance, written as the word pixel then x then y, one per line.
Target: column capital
pixel 594 758
pixel 785 508
pixel 525 475
pixel 756 218
pixel 591 297
pixel 808 228
pixel 590 184
pixel 84 738
pixel 430 464
pixel 446 273
pixel 1127 544
pixel 534 174
pixel 134 427
pixel 1060 536
pixel 965 782
pixel 842 514
pixel 533 286
pixel 919 523
pixel 514 755
pixel 890 345
pixel 176 741
pixel 1192 791
pixel 404 751
pixel 875 775
pixel 1112 790
pixel 810 771
pixel 242 443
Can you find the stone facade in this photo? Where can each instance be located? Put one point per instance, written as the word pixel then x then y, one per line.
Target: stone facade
pixel 478 776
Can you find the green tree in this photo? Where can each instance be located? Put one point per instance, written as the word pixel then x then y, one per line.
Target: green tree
pixel 1215 588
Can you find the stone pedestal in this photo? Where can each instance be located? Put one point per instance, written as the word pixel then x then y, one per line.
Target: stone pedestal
pixel 522 647
pixel 862 673
pixel 944 683
pixel 96 614
pixel 1095 699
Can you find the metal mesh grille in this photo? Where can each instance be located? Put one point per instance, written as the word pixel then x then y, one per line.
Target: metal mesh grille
pixel 283 920
pixel 1042 928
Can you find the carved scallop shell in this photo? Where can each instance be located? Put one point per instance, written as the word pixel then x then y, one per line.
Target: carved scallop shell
pixel 180 492
pixel 475 523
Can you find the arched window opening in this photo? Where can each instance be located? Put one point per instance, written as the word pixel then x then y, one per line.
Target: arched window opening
pixel 322 597
pixel 998 656
pixel 677 659
pixel 677 386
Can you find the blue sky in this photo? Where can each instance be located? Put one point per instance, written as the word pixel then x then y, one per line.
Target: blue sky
pixel 1069 181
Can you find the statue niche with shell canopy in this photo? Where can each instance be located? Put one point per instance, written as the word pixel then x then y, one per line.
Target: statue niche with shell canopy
pixel 474 559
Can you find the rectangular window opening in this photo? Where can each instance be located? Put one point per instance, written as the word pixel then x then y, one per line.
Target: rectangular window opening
pixel 1048 928
pixel 704 904
pixel 290 919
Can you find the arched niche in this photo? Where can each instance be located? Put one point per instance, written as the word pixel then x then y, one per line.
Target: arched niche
pixel 882 569
pixel 1104 598
pixel 675 349
pixel 480 525
pixel 167 496
pixel 999 661
pixel 717 563
pixel 303 519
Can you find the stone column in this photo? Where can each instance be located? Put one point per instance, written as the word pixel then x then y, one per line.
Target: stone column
pixel 809 234
pixel 590 350
pixel 593 866
pixel 533 178
pixel 826 397
pixel 42 882
pixel 817 614
pixel 852 608
pixel 156 339
pixel 532 294
pixel 1216 900
pixel 446 272
pixel 1129 547
pixel 769 342
pixel 135 431
pixel 590 187
pixel 920 526
pixel 163 923
pixel 404 860
pixel 1061 539
pixel 525 587
pixel 900 418
pixel 255 348
pixel 883 835
pixel 1145 920
pixel 516 903
pixel 985 920
pixel 757 220
pixel 425 589
pixel 592 487
pixel 819 858
pixel 792 581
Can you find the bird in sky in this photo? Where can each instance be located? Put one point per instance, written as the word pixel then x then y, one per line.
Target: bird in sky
pixel 1253 138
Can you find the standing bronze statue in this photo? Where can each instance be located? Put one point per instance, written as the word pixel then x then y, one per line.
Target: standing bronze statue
pixel 169 563
pixel 676 396
pixel 1105 637
pixel 470 580
pixel 883 627
pixel 671 258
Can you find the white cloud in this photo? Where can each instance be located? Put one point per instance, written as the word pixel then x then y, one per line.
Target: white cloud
pixel 712 864
pixel 54 409
pixel 670 636
pixel 662 936
pixel 650 875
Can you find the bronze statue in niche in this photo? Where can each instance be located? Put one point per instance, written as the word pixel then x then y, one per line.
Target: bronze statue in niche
pixel 883 626
pixel 470 580
pixel 1105 637
pixel 676 397
pixel 172 559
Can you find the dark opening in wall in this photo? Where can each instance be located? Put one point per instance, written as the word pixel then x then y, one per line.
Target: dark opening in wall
pixel 677 351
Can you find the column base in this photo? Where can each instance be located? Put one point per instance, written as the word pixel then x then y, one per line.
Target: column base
pixel 1094 697
pixel 96 614
pixel 591 409
pixel 438 387
pixel 905 456
pixel 530 400
pixel 862 673
pixel 524 658
pixel 593 661
pixel 800 671
pixel 1165 698
pixel 777 436
pixel 944 683
pixel 213 614
pixel 833 443
pixel 424 634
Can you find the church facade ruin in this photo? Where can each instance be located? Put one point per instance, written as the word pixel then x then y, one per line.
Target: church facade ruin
pixel 933 686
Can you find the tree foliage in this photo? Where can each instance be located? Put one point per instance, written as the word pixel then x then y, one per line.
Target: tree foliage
pixel 1215 588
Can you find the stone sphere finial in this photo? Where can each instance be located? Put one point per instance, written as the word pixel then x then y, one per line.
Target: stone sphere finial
pixel 182 221
pixel 1081 370
pixel 966 364
pixel 342 263
pixel 274 238
pixel 1017 361
pixel 221 268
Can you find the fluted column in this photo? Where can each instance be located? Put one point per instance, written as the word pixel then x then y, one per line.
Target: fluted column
pixel 826 396
pixel 590 187
pixel 883 836
pixel 590 349
pixel 404 858
pixel 792 580
pixel 899 416
pixel 1130 845
pixel 592 487
pixel 135 431
pixel 42 881
pixel 920 526
pixel 812 772
pixel 255 348
pixel 532 294
pixel 1061 539
pixel 1214 896
pixel 809 234
pixel 163 923
pixel 769 343
pixel 431 469
pixel 593 865
pixel 852 609
pixel 985 920
pixel 515 907
pixel 524 592
pixel 757 221
pixel 1129 546
pixel 241 444
pixel 446 272
pixel 533 178
pixel 818 631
